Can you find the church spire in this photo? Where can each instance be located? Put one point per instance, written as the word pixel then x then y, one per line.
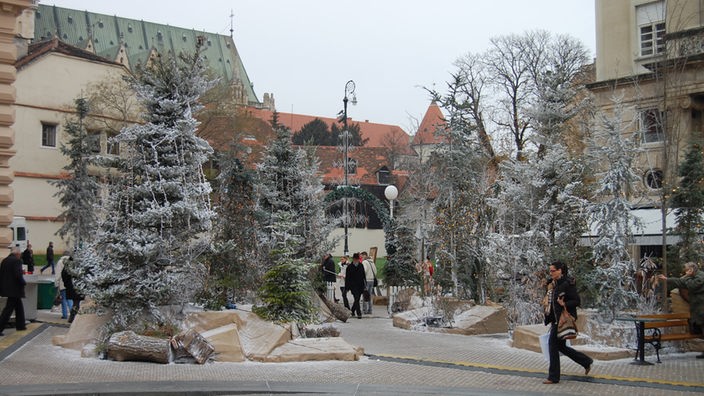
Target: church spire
pixel 232 17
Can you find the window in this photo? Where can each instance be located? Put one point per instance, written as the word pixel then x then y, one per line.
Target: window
pixel 652 125
pixel 351 166
pixel 651 28
pixel 653 179
pixel 113 146
pixel 93 141
pixel 48 135
pixel 382 176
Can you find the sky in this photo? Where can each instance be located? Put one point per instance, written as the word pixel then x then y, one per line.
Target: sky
pixel 305 51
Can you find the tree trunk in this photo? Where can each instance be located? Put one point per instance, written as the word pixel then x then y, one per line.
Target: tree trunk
pixel 191 343
pixel 340 312
pixel 127 345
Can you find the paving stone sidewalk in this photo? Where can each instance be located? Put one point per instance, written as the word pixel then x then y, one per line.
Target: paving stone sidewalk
pixel 398 362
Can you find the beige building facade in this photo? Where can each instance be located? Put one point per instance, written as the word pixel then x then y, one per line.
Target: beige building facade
pixel 650 64
pixel 49 79
pixel 650 55
pixel 12 29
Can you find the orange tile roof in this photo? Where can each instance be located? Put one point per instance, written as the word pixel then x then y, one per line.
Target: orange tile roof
pixel 432 120
pixel 370 130
pixel 369 161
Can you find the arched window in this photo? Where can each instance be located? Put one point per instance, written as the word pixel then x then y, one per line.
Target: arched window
pixel 653 179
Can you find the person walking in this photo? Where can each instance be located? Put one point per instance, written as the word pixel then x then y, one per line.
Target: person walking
pixel 354 282
pixel 693 281
pixel 49 259
pixel 71 292
pixel 370 275
pixel 562 294
pixel 329 274
pixel 344 262
pixel 28 258
pixel 428 275
pixel 12 286
pixel 66 303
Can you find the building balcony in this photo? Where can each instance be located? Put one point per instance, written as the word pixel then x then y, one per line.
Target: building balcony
pixel 685 43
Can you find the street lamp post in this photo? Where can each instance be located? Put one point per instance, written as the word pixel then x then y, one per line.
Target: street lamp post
pixel 349 95
pixel 391 193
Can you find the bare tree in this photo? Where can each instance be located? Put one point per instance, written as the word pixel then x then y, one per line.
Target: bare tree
pixel 394 143
pixel 114 105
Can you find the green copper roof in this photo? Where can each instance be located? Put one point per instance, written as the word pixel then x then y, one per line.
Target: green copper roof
pixel 108 32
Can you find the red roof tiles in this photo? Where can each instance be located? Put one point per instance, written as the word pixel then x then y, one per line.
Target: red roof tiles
pixel 432 120
pixel 370 130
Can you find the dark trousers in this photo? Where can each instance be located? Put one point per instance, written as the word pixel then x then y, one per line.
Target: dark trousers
pixel 74 309
pixel 558 346
pixel 356 310
pixel 13 304
pixel 344 297
pixel 49 263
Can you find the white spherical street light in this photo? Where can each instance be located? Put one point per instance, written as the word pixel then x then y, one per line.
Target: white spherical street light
pixel 391 193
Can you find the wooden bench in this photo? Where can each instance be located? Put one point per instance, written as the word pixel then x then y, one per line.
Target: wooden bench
pixel 666 327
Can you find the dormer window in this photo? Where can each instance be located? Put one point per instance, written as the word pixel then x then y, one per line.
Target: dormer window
pixel 383 176
pixel 351 166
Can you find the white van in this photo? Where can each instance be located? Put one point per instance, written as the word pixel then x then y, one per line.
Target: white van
pixel 20 233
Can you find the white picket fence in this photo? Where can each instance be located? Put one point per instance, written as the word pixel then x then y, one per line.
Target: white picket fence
pixel 330 290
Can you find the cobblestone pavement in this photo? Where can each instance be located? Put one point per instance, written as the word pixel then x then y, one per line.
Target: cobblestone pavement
pixel 397 362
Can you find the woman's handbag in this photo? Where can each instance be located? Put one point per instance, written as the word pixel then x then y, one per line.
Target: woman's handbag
pixel 566 326
pixel 365 295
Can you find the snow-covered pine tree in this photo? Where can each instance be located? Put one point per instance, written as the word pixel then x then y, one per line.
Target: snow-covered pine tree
pixel 401 259
pixel 688 201
pixel 147 252
pixel 610 212
pixel 463 170
pixel 292 224
pixel 286 292
pixel 234 269
pixel 78 191
pixel 287 180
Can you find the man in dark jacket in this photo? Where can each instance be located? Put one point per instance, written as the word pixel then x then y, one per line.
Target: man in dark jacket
pixel 71 292
pixel 28 258
pixel 355 283
pixel 329 274
pixel 49 259
pixel 12 286
pixel 693 281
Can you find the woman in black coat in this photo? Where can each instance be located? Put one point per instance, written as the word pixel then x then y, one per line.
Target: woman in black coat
pixel 562 294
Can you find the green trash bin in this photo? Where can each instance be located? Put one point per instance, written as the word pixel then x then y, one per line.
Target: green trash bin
pixel 46 292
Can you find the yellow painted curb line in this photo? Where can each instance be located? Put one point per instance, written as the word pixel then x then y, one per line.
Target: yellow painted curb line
pixel 12 336
pixel 524 370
